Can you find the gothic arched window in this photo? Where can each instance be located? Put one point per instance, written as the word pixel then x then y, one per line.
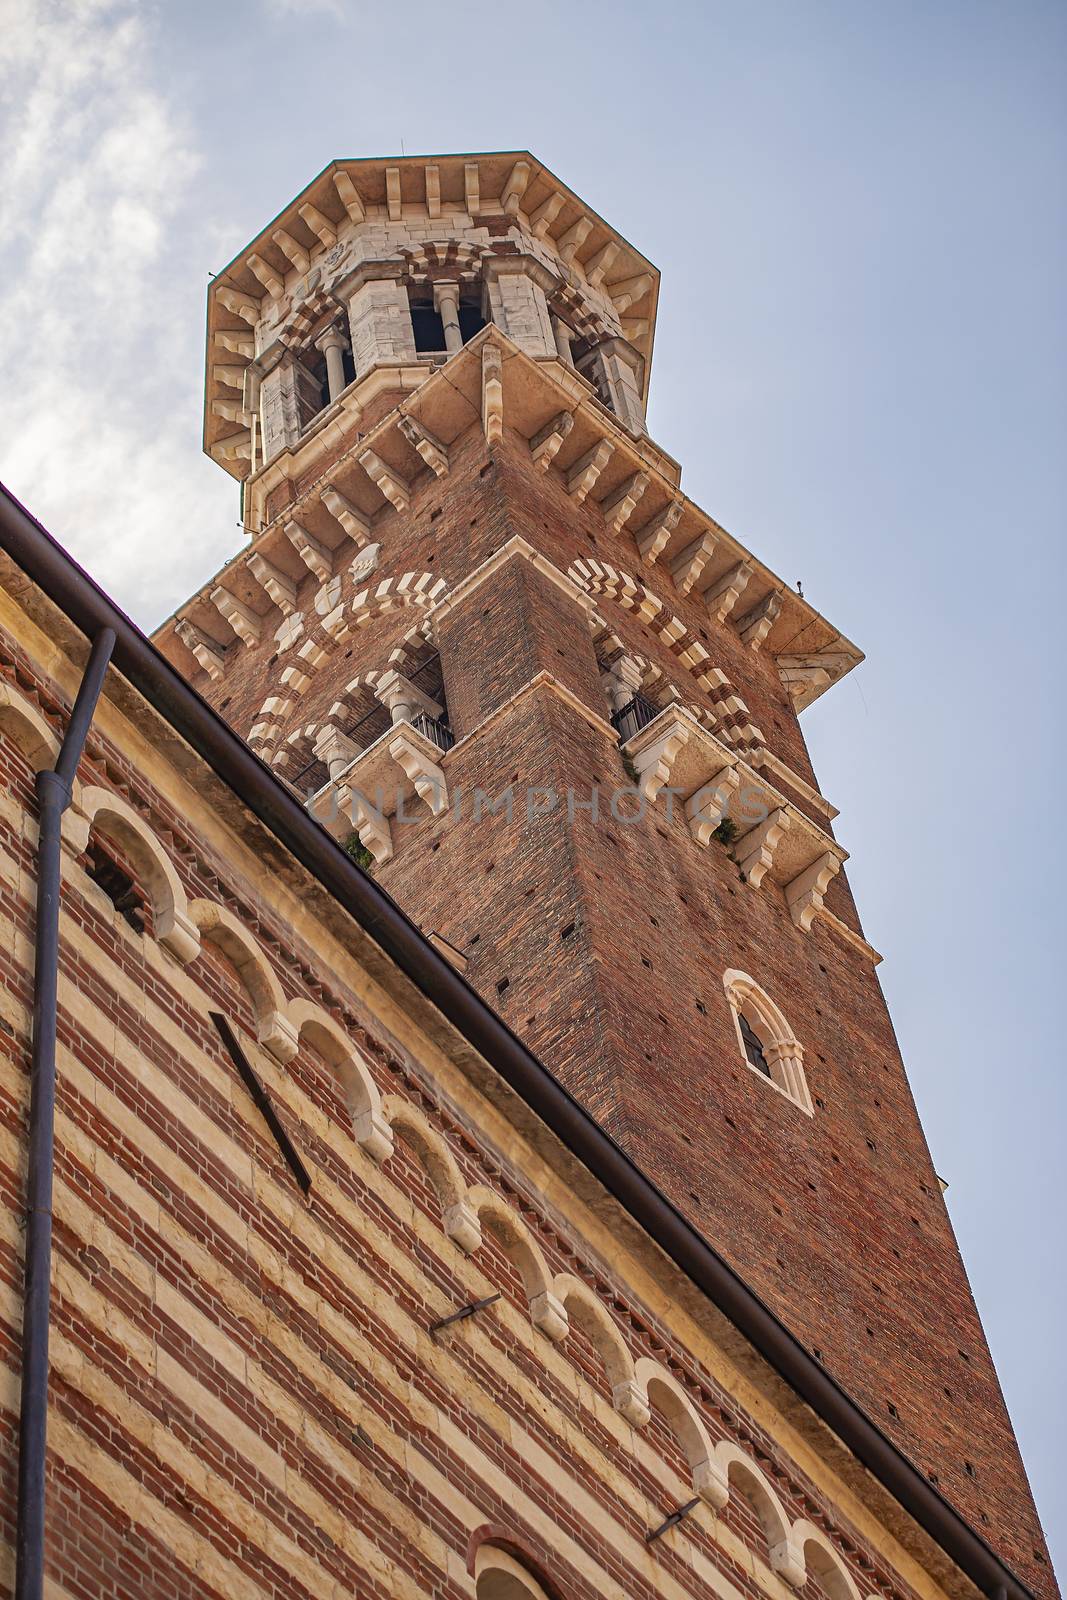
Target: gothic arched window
pixel 766 1041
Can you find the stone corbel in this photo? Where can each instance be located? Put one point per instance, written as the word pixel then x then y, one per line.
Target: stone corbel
pixel 349 195
pixel 206 651
pixel 754 852
pixel 277 588
pixel 462 1227
pixel 584 474
pixel 425 444
pixel 390 483
pixel 355 524
pixel 373 1135
pixel 626 292
pixel 804 895
pixel 787 1560
pixel 430 783
pixel 706 809
pixel 654 761
pixel 545 445
pixel 568 244
pixel 688 565
pixel 240 304
pixel 548 1313
pixel 654 537
pixel 711 1483
pixel 315 556
pixel 619 507
pixel 278 1037
pixel 289 247
pixel 721 598
pixel 754 627
pixel 373 828
pixel 492 392
pixel 320 225
pixel 599 264
pixel 545 215
pixel 244 622
pixel 805 679
pixel 514 188
pixel 631 1402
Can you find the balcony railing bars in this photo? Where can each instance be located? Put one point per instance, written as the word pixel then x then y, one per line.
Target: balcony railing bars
pixel 440 727
pixel 631 717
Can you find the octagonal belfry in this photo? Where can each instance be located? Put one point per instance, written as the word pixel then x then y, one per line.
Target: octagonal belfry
pixel 381 269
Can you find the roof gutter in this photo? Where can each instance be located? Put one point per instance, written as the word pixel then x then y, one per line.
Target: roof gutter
pixel 63 581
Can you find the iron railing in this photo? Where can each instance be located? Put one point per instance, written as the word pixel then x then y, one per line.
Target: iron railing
pixel 435 729
pixel 631 717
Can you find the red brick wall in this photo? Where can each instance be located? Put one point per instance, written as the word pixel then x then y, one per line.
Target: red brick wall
pixel 837 1221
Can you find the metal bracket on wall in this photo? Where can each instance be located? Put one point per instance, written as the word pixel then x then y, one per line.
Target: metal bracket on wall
pixel 672 1521
pixel 464 1311
pixel 264 1102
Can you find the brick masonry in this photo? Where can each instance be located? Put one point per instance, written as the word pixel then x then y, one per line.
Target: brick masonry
pixel 604 943
pixel 245 1398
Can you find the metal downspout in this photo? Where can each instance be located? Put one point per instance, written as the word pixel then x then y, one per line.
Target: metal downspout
pixel 53 795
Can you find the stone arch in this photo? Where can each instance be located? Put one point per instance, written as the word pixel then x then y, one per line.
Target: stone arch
pixel 25 725
pixel 497 1218
pixel 586 1311
pixel 599 577
pixel 667 1396
pixel 109 814
pixel 782 1050
pixel 220 927
pixel 460 1222
pixel 369 1126
pixel 451 257
pixel 498 1575
pixel 423 589
pixel 738 1469
pixel 820 1559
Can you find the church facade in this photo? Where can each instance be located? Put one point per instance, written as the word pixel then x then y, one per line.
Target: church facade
pixel 576 1237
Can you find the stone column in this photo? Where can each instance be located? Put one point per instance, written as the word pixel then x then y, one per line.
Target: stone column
pixel 333 344
pixel 446 303
pixel 563 341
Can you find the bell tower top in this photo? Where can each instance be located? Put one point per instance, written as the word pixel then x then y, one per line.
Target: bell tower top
pixel 381 269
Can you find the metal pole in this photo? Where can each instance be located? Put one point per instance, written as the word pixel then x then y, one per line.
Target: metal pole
pixel 53 794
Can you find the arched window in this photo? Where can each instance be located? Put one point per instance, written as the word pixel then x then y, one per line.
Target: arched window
pixel 752 1045
pixel 766 1041
pixel 500 1576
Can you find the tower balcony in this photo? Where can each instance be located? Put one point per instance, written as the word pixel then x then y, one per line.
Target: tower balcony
pixel 677 761
pixel 393 780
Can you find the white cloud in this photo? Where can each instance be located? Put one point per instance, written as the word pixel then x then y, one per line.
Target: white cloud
pixel 100 400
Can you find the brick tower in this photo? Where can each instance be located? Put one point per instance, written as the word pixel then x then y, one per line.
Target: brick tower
pixel 479 627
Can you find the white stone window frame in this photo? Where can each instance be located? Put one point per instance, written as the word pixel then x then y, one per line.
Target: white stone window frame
pixel 782 1050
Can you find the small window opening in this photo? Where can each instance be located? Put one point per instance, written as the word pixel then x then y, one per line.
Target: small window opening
pixel 471 315
pixel 117 885
pixel 587 361
pixel 753 1047
pixel 426 323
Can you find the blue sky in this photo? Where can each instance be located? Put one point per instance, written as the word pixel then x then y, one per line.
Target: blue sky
pixel 858 211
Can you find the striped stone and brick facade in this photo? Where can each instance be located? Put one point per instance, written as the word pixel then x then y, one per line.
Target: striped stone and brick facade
pixel 470 576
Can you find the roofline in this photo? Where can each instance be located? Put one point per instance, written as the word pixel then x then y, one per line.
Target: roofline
pixel 49 566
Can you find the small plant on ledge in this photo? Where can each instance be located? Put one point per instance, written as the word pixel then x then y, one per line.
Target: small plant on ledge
pixel 726 832
pixel 354 847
